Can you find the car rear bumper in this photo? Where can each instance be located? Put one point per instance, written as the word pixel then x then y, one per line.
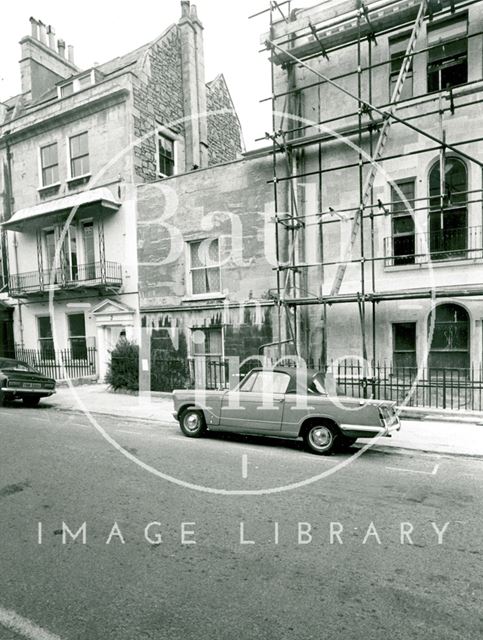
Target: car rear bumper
pixel 366 431
pixel 19 391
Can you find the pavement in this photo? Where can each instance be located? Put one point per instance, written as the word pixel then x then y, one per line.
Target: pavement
pixel 428 431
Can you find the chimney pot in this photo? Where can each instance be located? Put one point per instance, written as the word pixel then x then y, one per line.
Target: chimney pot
pixel 34 25
pixel 70 53
pixel 51 36
pixel 185 8
pixel 61 47
pixel 194 12
pixel 42 32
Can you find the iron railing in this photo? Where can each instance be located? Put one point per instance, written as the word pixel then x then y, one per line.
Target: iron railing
pixel 61 364
pixel 444 244
pixel 94 274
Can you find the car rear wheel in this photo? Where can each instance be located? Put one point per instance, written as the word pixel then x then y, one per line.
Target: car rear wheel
pixel 2 398
pixel 31 401
pixel 192 423
pixel 320 438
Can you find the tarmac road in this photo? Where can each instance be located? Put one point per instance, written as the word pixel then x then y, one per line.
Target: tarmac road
pixel 222 565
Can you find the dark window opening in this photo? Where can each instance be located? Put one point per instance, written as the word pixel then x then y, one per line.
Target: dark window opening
pixel 448 54
pixel 165 156
pixel 450 342
pixel 397 51
pixel 403 236
pixel 79 155
pixel 448 217
pixel 77 336
pixel 404 345
pixel 50 164
pixel 46 340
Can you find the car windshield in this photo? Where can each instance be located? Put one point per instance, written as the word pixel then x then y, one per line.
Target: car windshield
pixel 265 382
pixel 15 365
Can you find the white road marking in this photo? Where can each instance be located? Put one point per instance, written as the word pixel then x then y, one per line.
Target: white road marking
pixel 39 419
pixel 244 466
pixel 424 473
pixel 24 627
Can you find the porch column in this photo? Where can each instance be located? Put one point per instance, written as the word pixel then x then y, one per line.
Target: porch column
pixel 102 249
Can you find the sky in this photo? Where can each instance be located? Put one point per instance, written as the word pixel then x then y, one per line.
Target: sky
pixel 100 31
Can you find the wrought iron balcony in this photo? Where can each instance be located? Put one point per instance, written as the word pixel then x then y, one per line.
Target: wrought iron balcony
pixel 464 243
pixel 95 275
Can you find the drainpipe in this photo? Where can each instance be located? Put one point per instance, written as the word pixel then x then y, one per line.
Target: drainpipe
pixel 9 201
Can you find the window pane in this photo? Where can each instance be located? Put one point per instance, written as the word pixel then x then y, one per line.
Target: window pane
pixel 447 30
pixel 77 325
pixel 214 252
pixel 165 155
pixel 78 146
pixel 85 81
pixel 214 342
pixel 213 278
pixel 405 336
pixel 45 329
pixel 67 90
pixel 404 344
pixel 199 284
pixel 403 224
pixel 195 255
pixel 405 187
pixel 271 381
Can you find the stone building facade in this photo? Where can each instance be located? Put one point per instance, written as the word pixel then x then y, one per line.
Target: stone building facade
pixel 206 251
pixel 73 146
pixel 422 233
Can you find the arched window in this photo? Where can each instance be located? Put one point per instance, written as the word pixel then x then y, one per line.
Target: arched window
pixel 450 344
pixel 448 216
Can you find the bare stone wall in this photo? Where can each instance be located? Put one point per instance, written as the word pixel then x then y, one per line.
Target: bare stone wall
pixel 224 131
pixel 157 99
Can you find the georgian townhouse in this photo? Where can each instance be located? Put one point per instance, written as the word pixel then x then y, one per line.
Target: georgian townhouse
pixel 405 287
pixel 73 145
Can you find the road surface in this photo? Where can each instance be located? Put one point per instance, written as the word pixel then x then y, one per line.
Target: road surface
pixel 359 547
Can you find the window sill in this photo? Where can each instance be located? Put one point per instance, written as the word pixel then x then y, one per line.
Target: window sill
pixel 203 296
pixel 49 189
pixel 78 180
pixel 435 264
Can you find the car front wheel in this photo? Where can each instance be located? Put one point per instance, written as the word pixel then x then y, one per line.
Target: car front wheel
pixel 320 439
pixel 192 423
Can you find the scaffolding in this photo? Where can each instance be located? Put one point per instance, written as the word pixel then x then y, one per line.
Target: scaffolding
pixel 373 126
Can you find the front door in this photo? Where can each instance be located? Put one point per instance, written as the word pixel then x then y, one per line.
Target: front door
pixel 257 404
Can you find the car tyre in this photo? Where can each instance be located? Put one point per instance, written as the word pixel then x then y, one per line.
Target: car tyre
pixel 192 423
pixel 2 398
pixel 30 401
pixel 321 438
pixel 344 442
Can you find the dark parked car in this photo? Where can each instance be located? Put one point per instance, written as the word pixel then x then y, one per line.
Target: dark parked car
pixel 19 380
pixel 287 403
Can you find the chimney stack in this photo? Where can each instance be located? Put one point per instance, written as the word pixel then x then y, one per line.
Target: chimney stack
pixel 51 36
pixel 70 53
pixel 42 63
pixel 194 87
pixel 34 25
pixel 42 32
